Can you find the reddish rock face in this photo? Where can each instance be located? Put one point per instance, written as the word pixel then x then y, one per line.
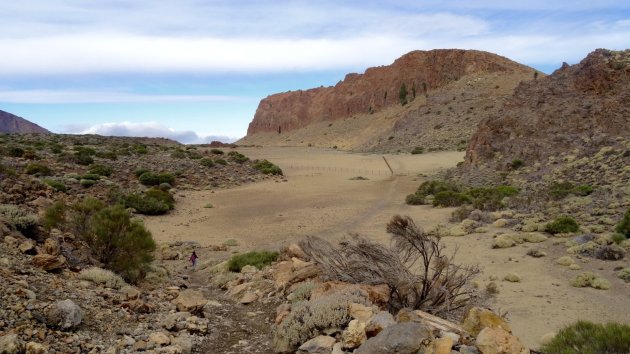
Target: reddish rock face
pixel 377 88
pixel 577 107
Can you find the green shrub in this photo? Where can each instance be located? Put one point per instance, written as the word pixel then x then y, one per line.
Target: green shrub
pixel 582 190
pixel 220 162
pixel 178 154
pixel 19 218
pixel 450 199
pixel 560 190
pixel 267 167
pixel 237 157
pixel 54 215
pixel 417 150
pixel 38 169
pixel 57 185
pixel 122 245
pixel 154 179
pixel 91 176
pixel 139 172
pixel 516 164
pixel 56 148
pixel 101 170
pixel 217 151
pixel 414 199
pixel 193 155
pixel 87 182
pixel 111 155
pixel 562 224
pixel 140 149
pixel 83 158
pixel 30 154
pixel 15 151
pixel 436 186
pixel 491 198
pixel 82 213
pixel 6 170
pixel 624 225
pixel 152 202
pixel 255 258
pixel 206 162
pixel 585 337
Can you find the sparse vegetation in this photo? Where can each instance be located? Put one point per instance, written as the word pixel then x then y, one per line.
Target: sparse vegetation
pixel 562 224
pixel 19 218
pixel 38 169
pixel 102 276
pixel 258 259
pixel 206 162
pixel 55 215
pixel 585 337
pixel 151 202
pixel 417 150
pixel 237 157
pixel 57 185
pixel 216 152
pixel 623 227
pixel 101 170
pixel 516 164
pixel 149 178
pixel 560 190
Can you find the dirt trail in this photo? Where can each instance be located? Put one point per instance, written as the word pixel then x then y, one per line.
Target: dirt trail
pixel 319 198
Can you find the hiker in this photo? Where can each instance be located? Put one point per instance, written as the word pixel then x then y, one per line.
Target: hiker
pixel 193 259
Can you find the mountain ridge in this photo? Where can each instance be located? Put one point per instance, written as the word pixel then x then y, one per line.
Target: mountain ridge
pixel 10 123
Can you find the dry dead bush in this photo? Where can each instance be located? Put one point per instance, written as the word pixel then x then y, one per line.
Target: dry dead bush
pixel 414 266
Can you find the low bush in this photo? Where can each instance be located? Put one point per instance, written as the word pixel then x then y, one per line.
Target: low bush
pixel 220 162
pixel 237 157
pixel 516 164
pixel 83 158
pixel 57 185
pixel 38 169
pixel 139 172
pixel 255 258
pixel 585 337
pixel 6 170
pixel 82 213
pixel 267 167
pixel 624 225
pixel 155 179
pixel 430 188
pixel 15 151
pixel 451 199
pixel 417 150
pixel 560 190
pixel 101 170
pixel 110 155
pixel 562 224
pixel 91 176
pixel 491 198
pixel 151 202
pixel 19 218
pixel 54 215
pixel 217 151
pixel 87 182
pixel 178 154
pixel 207 162
pixel 140 149
pixel 102 276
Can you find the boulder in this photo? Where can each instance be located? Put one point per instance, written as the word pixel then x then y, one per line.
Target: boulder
pixel 11 344
pixel 401 338
pixel 499 341
pixel 377 294
pixel 49 262
pixel 191 301
pixel 379 322
pixel 361 312
pixel 442 345
pixel 175 321
pixel 27 247
pixel 248 298
pixel 477 319
pixel 35 348
pixel 159 339
pixel 65 315
pixel 51 247
pixel 197 325
pixel 354 335
pixel 318 345
pixel 294 250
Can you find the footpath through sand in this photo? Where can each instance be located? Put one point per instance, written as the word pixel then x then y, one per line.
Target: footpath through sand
pixel 320 198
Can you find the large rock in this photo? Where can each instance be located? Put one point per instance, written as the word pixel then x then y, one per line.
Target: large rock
pixel 159 339
pixel 361 312
pixel 36 348
pixel 499 341
pixel 318 345
pixel 477 319
pixel 64 314
pixel 379 322
pixel 27 247
pixel 51 246
pixel 191 301
pixel 354 335
pixel 49 262
pixel 11 344
pixel 377 294
pixel 401 338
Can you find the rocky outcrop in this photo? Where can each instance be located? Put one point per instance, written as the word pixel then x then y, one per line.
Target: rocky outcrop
pixel 580 107
pixel 10 123
pixel 428 79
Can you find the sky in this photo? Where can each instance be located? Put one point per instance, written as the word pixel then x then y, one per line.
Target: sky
pixel 195 70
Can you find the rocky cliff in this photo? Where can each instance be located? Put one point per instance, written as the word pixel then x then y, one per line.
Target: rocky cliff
pixel 384 94
pixel 578 109
pixel 10 123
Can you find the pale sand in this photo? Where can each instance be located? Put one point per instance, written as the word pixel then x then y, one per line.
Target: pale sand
pixel 319 199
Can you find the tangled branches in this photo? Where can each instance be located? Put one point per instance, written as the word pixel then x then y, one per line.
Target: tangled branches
pixel 418 273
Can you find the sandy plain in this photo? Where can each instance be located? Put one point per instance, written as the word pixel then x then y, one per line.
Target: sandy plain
pixel 319 198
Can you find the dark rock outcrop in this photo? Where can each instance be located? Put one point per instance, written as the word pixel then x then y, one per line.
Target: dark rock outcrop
pixel 10 123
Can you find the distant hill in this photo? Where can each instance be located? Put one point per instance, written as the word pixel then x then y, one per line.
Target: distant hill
pixel 10 123
pixel 432 99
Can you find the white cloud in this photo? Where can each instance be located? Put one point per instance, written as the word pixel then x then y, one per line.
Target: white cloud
pixel 147 129
pixel 85 96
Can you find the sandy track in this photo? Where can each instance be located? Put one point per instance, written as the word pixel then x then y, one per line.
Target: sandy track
pixel 319 199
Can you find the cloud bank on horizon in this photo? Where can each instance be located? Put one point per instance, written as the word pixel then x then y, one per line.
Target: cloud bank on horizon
pixel 67 53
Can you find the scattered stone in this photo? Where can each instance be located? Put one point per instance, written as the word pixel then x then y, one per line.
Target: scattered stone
pixel 401 338
pixel 361 312
pixel 49 262
pixel 27 247
pixel 65 315
pixel 478 319
pixel 354 335
pixel 36 348
pixel 11 344
pixel 442 345
pixel 159 339
pixel 379 322
pixel 512 277
pixel 318 345
pixel 191 301
pixel 493 340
